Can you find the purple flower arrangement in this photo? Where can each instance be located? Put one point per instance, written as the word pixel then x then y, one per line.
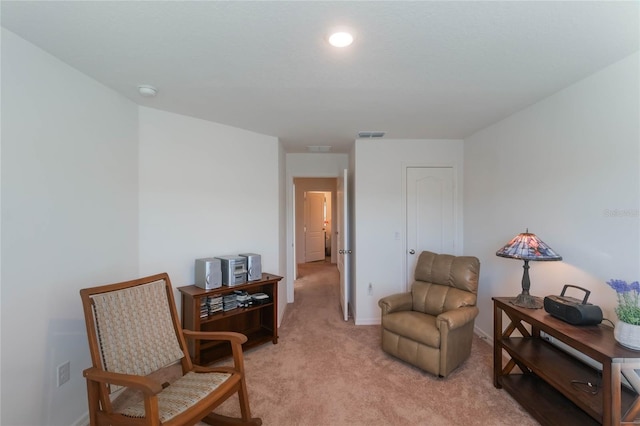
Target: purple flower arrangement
pixel 628 309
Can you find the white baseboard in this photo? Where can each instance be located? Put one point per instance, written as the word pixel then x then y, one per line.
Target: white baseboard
pixel 82 421
pixel 484 336
pixel 368 321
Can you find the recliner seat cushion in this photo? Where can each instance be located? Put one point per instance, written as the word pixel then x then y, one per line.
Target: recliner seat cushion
pixel 413 325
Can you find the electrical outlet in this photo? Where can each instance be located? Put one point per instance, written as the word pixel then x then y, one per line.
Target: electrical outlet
pixel 64 373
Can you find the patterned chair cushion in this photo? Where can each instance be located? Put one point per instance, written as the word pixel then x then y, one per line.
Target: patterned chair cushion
pixel 180 395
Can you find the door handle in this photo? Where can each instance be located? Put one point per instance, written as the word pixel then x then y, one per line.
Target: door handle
pixel 412 251
pixel 349 252
pixel 340 251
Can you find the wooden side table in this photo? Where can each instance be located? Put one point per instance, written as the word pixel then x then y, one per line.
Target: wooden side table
pixel 555 386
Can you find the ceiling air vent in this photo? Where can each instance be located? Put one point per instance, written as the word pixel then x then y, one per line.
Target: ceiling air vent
pixel 319 148
pixel 370 135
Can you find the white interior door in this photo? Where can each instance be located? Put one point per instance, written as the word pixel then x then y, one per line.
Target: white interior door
pixel 314 226
pixel 342 238
pixel 430 213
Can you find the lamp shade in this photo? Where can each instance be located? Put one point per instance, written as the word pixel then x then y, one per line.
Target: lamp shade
pixel 527 246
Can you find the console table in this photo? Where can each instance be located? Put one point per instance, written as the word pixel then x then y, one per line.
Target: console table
pixel 554 386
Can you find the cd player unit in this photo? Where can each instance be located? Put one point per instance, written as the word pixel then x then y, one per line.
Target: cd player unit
pixel 234 270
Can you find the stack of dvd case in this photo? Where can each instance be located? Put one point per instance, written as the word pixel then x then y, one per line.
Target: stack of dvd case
pixel 214 304
pixel 229 302
pixel 204 308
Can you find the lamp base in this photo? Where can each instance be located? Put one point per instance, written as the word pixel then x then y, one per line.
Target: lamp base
pixel 528 301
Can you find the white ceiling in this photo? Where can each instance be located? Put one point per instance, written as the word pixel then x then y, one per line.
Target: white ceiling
pixel 439 69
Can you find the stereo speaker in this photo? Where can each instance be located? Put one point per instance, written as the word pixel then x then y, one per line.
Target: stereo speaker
pixel 254 266
pixel 208 273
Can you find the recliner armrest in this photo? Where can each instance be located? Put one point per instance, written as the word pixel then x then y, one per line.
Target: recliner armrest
pixel 395 303
pixel 456 318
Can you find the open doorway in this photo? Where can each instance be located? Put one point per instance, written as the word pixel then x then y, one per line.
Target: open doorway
pixel 316 226
pixel 335 262
pixel 314 242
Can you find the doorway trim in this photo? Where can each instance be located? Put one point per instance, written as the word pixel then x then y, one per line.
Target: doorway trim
pixel 290 226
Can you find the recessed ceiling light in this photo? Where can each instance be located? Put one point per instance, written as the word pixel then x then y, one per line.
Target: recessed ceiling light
pixel 147 90
pixel 340 39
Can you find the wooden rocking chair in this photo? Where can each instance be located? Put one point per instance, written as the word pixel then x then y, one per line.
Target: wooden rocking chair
pixel 134 335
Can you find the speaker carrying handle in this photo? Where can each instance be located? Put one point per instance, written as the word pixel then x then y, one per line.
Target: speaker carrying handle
pixel 586 296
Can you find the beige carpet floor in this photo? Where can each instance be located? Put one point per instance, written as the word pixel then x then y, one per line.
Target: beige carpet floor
pixel 325 372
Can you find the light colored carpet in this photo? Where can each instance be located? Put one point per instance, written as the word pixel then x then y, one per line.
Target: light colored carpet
pixel 328 372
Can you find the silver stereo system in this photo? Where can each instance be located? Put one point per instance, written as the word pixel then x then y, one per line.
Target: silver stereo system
pixel 234 270
pixel 208 273
pixel 254 266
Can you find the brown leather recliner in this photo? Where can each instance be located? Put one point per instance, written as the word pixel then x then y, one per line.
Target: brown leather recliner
pixel 432 326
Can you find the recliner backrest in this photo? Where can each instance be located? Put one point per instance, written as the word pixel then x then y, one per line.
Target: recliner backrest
pixel 444 282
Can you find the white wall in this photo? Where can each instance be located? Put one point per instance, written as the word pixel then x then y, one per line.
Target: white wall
pixel 305 165
pixel 282 224
pixel 203 194
pixel 563 168
pixel 378 257
pixel 69 220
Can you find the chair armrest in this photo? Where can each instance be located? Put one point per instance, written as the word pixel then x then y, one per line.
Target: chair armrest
pixel 144 384
pixel 236 340
pixel 457 318
pixel 230 336
pixel 395 303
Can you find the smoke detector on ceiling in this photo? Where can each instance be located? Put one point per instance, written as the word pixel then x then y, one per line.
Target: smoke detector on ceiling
pixel 147 90
pixel 370 135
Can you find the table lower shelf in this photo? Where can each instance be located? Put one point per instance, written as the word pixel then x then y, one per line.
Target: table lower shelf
pixel 542 401
pixel 558 370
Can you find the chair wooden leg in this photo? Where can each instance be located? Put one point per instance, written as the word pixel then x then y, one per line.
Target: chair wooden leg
pixel 93 393
pixel 243 397
pixel 151 410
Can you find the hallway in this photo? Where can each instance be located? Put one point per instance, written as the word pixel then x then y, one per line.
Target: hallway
pixel 318 282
